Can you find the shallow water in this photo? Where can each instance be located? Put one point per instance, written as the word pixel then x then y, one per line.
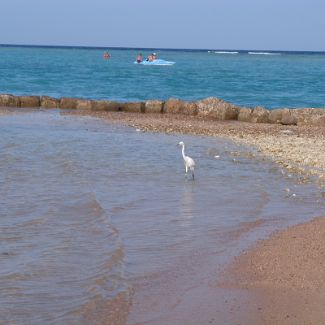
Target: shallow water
pixel 91 211
pixel 286 80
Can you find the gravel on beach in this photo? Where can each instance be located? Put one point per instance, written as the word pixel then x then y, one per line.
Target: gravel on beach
pixel 300 149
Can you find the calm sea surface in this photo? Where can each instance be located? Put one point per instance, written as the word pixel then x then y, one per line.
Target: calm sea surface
pixel 91 212
pixel 269 79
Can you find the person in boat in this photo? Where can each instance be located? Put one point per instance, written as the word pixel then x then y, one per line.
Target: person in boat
pixel 106 55
pixel 152 57
pixel 139 58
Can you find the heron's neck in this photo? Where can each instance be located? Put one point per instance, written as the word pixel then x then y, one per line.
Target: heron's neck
pixel 183 151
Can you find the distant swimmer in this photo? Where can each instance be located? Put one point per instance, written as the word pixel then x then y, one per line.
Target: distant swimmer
pixel 139 58
pixel 106 55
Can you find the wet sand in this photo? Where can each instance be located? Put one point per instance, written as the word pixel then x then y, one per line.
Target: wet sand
pixel 284 276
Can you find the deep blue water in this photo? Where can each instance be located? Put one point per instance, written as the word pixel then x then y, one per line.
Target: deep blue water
pixel 272 79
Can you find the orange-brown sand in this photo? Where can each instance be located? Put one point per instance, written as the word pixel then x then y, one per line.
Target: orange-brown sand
pixel 285 275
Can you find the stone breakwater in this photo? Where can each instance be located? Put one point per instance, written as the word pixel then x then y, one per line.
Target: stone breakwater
pixel 212 108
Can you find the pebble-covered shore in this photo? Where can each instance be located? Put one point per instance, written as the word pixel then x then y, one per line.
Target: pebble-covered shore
pixel 297 148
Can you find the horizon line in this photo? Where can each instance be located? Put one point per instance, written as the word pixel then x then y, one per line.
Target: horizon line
pixel 150 48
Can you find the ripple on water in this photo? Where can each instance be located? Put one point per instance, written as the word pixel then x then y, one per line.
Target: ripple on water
pixel 57 258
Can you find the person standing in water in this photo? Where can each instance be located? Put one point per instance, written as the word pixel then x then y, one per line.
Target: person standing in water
pixel 106 55
pixel 139 58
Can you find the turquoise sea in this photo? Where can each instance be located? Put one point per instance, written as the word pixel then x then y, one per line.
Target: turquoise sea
pixel 248 78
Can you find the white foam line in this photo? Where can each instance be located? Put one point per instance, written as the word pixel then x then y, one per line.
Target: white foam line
pixel 263 53
pixel 226 52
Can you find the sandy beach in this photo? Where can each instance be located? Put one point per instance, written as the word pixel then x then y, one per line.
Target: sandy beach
pixel 286 275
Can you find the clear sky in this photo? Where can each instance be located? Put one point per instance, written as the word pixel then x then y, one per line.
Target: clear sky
pixel 209 24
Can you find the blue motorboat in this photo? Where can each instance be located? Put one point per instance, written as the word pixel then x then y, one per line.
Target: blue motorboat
pixel 155 62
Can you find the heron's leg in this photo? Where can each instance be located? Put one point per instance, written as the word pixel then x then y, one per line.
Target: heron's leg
pixel 193 175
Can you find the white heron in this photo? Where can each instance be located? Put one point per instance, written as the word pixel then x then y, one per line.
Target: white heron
pixel 188 161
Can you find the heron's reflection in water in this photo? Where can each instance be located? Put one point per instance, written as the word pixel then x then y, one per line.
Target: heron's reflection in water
pixel 187 205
